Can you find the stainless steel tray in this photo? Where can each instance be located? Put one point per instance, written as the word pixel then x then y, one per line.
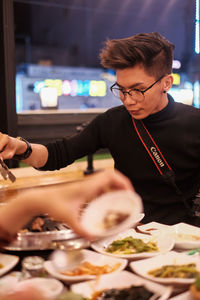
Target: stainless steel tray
pixel 55 235
pixel 63 239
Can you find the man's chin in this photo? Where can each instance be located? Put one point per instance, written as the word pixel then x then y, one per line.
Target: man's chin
pixel 138 115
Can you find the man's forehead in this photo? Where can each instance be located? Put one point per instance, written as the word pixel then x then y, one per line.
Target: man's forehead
pixel 132 77
pixel 130 85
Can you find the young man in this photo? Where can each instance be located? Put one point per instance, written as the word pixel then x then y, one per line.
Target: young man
pixel 143 65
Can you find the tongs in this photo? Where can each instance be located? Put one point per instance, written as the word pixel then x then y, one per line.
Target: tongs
pixel 5 172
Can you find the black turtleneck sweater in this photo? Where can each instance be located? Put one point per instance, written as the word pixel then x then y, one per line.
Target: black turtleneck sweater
pixel 175 129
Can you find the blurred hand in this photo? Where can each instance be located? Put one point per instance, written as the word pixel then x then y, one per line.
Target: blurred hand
pixel 62 202
pixel 68 201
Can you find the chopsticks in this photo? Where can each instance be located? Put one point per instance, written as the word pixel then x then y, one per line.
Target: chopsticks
pixel 5 172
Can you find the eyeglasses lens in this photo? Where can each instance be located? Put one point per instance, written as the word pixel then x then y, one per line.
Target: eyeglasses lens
pixel 135 95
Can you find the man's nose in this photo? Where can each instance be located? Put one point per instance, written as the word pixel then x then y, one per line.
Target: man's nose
pixel 128 99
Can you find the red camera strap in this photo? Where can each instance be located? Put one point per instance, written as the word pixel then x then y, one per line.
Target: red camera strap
pixel 151 147
pixel 157 157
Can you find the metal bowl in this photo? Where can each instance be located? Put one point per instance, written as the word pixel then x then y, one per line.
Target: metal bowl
pixel 54 235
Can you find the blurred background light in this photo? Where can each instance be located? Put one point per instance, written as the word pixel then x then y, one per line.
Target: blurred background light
pixel 197 46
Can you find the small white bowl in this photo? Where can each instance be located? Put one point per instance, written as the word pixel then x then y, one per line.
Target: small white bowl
pixel 123 202
pixel 50 287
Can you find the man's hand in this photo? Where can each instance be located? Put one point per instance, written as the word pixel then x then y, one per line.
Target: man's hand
pixel 66 203
pixel 10 146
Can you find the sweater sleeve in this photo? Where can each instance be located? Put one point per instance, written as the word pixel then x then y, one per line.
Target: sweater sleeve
pixel 64 152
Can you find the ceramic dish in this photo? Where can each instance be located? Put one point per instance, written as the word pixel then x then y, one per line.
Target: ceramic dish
pixel 164 244
pixel 142 267
pixel 50 287
pixel 112 212
pixel 8 281
pixel 186 236
pixel 152 227
pixel 7 262
pixel 119 280
pixel 183 296
pixel 91 257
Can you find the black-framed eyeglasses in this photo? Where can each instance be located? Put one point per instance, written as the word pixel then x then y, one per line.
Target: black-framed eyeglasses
pixel 135 94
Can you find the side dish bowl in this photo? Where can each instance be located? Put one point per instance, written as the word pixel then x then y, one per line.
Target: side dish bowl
pixel 112 213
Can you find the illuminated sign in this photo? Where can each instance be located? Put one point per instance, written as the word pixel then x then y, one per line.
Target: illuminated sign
pixel 49 97
pixel 93 88
pixel 176 78
pixel 176 64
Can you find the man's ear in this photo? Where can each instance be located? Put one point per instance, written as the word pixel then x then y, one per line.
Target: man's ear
pixel 168 81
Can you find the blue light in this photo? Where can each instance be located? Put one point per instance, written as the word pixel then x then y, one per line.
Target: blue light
pixel 196 94
pixel 38 85
pixel 19 93
pixel 197 22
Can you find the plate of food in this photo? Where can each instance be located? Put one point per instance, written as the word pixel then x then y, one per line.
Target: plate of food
pixel 152 227
pixel 90 266
pixel 121 283
pixel 7 262
pixel 112 212
pixel 186 236
pixel 133 245
pixel 170 268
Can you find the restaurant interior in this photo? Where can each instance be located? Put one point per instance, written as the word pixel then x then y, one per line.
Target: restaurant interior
pixel 52 86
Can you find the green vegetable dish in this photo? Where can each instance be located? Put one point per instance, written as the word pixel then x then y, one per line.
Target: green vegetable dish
pixel 176 271
pixel 197 283
pixel 130 245
pixel 132 293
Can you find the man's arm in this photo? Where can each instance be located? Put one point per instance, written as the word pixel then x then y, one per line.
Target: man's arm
pixel 10 146
pixel 38 157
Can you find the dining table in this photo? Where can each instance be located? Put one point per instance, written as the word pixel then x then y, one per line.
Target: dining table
pixel 29 178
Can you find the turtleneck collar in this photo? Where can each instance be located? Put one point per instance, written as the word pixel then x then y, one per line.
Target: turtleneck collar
pixel 166 113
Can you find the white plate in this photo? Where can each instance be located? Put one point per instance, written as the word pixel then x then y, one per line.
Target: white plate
pixel 164 244
pixel 183 296
pixel 123 202
pixel 142 267
pixel 90 256
pixel 8 262
pixel 50 287
pixel 8 281
pixel 151 227
pixel 183 233
pixel 123 279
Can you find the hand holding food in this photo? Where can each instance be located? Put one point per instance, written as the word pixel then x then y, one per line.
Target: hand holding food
pixel 64 203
